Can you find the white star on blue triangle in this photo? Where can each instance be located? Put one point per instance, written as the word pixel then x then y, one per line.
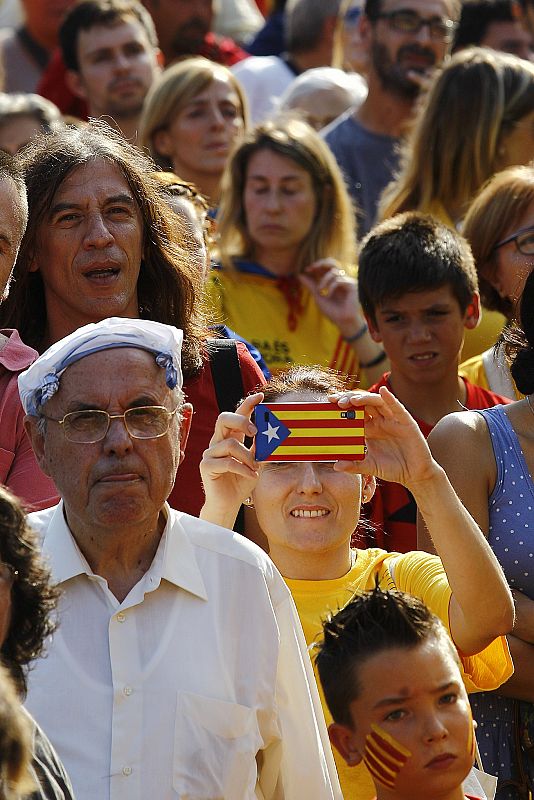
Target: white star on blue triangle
pixel 271 433
pixel 272 428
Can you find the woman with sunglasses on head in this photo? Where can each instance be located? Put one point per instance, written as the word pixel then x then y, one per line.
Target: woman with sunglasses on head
pixel 499 225
pixel 489 458
pixel 478 119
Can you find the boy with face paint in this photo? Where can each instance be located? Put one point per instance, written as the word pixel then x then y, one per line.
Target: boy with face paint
pixel 391 680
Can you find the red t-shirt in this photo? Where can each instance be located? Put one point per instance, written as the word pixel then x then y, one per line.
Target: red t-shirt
pixel 393 511
pixel 187 494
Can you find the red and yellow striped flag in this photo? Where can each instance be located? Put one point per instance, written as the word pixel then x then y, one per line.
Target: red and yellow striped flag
pixel 309 432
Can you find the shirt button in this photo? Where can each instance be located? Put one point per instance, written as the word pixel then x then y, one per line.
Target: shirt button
pixel 126 770
pixel 121 616
pixel 128 690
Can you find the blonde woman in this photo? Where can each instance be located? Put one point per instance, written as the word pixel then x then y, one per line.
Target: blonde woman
pixel 193 115
pixel 477 120
pixel 287 253
pixel 499 225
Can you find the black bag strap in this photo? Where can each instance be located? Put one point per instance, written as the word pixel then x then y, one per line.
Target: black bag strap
pixel 226 372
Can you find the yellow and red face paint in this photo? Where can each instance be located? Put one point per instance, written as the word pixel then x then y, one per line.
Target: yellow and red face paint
pixel 384 756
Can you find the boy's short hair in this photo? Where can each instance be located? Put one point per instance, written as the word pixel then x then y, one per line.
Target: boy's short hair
pixel 371 623
pixel 413 252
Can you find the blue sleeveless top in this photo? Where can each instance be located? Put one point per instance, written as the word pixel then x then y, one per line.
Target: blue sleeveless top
pixel 511 504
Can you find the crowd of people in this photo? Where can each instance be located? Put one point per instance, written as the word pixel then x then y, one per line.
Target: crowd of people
pixel 211 205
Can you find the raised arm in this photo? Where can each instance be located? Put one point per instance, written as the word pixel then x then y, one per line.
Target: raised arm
pixel 481 605
pixel 228 468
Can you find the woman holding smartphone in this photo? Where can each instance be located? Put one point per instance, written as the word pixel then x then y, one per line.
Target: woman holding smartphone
pixel 308 512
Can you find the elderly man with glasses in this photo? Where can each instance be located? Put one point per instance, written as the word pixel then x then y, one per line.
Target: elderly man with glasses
pixel 179 668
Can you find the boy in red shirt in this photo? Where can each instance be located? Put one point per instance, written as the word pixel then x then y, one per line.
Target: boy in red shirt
pixel 419 293
pixel 410 724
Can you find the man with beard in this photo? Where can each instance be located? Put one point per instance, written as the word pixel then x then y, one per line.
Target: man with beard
pixel 404 40
pixel 184 29
pixel 110 50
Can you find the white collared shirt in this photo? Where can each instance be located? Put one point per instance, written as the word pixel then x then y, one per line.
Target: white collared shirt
pixel 198 685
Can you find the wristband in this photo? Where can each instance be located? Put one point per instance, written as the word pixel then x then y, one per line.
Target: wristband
pixel 375 361
pixel 358 335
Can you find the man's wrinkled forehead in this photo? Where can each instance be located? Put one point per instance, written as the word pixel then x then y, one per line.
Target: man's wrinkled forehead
pixel 125 369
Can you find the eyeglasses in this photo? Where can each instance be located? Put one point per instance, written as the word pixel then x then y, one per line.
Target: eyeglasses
pixel 410 22
pixel 88 427
pixel 524 241
pixel 8 574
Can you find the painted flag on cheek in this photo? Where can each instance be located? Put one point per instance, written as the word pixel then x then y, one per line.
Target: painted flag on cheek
pixel 309 432
pixel 384 756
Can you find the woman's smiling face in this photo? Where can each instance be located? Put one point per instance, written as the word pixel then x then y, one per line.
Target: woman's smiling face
pixel 306 507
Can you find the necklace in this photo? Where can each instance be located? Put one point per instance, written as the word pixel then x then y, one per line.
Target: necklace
pixel 530 403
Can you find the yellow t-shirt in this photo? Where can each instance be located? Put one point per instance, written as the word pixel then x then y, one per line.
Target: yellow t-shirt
pixel 253 306
pixel 418 574
pixel 474 370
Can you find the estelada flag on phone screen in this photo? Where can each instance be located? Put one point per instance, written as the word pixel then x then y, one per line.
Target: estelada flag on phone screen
pixel 309 432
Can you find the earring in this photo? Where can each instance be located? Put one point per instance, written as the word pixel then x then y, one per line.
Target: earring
pixel 248 502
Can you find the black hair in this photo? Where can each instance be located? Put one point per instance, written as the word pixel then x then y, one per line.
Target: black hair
pixel 477 16
pixel 519 341
pixel 413 252
pixel 87 13
pixel 371 623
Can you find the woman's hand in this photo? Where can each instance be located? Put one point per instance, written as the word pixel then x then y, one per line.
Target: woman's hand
pixel 335 293
pixel 228 468
pixel 396 448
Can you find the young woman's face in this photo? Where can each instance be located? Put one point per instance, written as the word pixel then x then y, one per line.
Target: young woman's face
pixel 199 138
pixel 279 203
pixel 307 506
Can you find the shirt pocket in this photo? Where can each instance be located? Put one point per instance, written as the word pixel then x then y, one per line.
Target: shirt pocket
pixel 215 746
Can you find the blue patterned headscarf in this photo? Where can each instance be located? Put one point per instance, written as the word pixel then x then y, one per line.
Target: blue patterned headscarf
pixel 41 380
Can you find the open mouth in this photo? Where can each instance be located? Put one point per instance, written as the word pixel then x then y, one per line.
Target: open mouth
pixel 423 358
pixel 307 513
pixel 102 274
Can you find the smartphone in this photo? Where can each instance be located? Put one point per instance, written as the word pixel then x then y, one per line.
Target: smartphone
pixel 309 432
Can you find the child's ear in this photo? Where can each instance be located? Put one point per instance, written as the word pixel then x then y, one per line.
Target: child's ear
pixel 472 313
pixel 344 740
pixel 373 329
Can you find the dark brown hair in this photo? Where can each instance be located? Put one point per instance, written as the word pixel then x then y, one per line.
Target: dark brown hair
pixel 169 288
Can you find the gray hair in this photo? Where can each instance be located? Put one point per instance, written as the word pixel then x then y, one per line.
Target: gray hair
pixel 320 78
